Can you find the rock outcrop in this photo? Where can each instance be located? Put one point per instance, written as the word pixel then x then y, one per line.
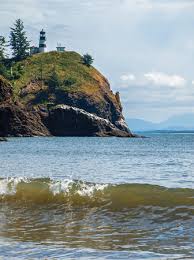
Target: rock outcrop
pixel 3 139
pixel 64 120
pixel 15 120
pixel 6 91
pixel 83 105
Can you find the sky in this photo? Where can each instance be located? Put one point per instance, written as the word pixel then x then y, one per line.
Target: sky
pixel 144 47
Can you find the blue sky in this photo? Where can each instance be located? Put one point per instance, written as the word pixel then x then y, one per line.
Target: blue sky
pixel 144 47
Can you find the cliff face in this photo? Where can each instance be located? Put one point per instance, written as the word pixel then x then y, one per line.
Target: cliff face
pixel 6 91
pixel 81 105
pixel 15 119
pixel 66 120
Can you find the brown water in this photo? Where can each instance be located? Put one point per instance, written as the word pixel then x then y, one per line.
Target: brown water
pixel 96 198
pixel 79 215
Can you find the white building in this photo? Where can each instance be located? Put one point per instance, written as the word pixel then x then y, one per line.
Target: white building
pixel 60 48
pixel 42 45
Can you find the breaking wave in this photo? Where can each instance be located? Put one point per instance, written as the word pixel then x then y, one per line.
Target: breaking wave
pixel 79 193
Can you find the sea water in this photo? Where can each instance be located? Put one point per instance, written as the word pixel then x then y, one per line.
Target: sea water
pixel 97 198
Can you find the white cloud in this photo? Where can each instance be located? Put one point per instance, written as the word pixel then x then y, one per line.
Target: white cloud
pixel 165 5
pixel 192 82
pixel 162 79
pixel 157 94
pixel 142 38
pixel 128 77
pixel 154 79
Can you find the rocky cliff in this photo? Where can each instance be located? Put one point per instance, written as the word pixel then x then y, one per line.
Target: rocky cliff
pixel 82 103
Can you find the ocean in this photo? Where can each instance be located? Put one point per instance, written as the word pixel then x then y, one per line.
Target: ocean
pixel 97 198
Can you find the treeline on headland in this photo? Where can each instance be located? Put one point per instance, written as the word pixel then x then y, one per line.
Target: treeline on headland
pixel 20 45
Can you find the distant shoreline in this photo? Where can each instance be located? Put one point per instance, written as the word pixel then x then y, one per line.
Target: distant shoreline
pixel 166 131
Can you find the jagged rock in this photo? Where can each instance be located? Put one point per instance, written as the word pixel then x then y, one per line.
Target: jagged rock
pixel 5 90
pixel 17 121
pixel 3 139
pixel 65 120
pixel 89 91
pixel 87 107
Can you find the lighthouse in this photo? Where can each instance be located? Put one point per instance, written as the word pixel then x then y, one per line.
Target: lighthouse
pixel 42 41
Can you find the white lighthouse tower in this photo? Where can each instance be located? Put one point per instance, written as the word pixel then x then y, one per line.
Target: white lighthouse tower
pixel 42 41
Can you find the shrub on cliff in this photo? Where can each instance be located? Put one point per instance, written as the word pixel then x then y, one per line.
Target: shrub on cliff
pixel 87 60
pixel 69 82
pixel 3 70
pixel 54 81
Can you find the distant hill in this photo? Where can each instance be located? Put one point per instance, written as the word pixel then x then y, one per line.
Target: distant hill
pixel 182 122
pixel 179 122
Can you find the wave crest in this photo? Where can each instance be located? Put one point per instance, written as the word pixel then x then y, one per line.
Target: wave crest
pixel 79 193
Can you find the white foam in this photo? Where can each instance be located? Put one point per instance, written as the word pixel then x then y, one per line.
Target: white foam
pixel 68 186
pixel 90 115
pixel 58 187
pixel 89 190
pixel 82 189
pixel 9 186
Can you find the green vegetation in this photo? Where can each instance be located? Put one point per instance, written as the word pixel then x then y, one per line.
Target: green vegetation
pixel 53 81
pixel 56 70
pixel 3 70
pixel 3 46
pixel 69 82
pixel 49 77
pixel 14 68
pixel 18 41
pixel 87 60
pixel 53 77
pixel 20 50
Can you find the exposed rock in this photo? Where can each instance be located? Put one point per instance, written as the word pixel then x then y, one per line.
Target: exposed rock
pixel 118 99
pixel 3 139
pixel 31 88
pixel 71 121
pixel 89 91
pixel 5 90
pixel 17 121
pixel 107 108
pixel 86 107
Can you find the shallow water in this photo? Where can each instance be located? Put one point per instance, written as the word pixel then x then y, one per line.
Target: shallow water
pixel 97 198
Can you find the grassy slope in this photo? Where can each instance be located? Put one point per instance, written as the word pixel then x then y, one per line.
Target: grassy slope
pixel 67 65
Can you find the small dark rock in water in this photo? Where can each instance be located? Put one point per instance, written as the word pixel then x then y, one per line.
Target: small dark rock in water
pixel 3 139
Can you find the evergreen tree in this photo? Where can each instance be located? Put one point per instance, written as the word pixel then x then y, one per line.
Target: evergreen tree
pixel 3 46
pixel 87 60
pixel 54 81
pixel 18 41
pixel 3 70
pixel 69 82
